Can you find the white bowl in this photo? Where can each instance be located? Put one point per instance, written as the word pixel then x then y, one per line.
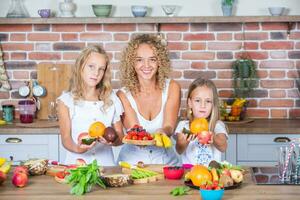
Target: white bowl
pixel 169 9
pixel 276 11
pixel 139 11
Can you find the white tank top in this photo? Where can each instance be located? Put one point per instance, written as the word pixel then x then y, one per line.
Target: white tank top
pixel 150 125
pixel 83 114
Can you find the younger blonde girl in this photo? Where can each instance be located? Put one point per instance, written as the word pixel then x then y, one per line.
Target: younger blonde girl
pixel 202 102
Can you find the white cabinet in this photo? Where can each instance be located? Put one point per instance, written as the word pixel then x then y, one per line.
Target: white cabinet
pixel 230 154
pixel 23 147
pixel 259 149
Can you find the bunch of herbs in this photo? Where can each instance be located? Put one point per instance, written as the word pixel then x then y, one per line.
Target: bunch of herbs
pixel 84 178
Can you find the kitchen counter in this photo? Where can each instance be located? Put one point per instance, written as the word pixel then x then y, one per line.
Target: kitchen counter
pixel 267 126
pixel 45 187
pixel 258 126
pixel 37 127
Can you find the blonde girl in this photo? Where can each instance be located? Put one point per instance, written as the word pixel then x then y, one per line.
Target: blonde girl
pixel 202 102
pixel 89 99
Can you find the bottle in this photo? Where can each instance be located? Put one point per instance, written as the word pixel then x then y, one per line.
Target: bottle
pixel 17 9
pixel 67 8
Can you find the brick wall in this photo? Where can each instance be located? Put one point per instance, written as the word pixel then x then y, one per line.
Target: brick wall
pixel 195 50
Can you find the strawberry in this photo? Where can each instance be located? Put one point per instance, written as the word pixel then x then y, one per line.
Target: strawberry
pixel 134 137
pixel 140 137
pixel 145 138
pixel 128 137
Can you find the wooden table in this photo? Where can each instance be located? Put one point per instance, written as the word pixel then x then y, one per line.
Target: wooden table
pixel 45 187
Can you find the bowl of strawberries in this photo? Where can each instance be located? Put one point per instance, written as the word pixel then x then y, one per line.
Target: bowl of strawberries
pixel 212 191
pixel 137 135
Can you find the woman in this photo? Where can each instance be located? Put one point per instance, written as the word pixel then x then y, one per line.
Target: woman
pixel 148 97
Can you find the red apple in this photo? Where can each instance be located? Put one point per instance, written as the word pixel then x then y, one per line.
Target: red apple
pixel 226 172
pixel 204 137
pixel 20 179
pixel 2 177
pixel 21 169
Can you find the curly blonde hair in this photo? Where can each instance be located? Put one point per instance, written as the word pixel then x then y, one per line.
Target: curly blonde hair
pixel 104 86
pixel 129 77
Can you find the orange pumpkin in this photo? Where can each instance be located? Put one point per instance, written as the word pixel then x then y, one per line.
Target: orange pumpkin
pixel 199 175
pixel 198 125
pixel 96 129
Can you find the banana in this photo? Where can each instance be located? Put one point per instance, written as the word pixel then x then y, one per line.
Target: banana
pixel 158 140
pixel 239 102
pixel 2 122
pixel 6 167
pixel 214 173
pixel 125 164
pixel 187 176
pixel 2 161
pixel 167 141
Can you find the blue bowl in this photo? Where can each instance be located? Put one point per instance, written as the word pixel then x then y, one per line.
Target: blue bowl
pixel 211 194
pixel 139 11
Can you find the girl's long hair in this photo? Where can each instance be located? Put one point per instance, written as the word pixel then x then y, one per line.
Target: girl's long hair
pixel 215 112
pixel 104 86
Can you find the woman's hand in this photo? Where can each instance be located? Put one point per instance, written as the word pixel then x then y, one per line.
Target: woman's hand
pixel 82 148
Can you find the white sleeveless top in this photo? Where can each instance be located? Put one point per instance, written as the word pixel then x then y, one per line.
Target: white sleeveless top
pixel 149 154
pixel 196 153
pixel 83 114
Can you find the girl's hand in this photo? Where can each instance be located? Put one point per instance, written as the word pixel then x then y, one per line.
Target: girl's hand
pixel 185 137
pixel 211 141
pixel 205 138
pixel 84 148
pixel 104 141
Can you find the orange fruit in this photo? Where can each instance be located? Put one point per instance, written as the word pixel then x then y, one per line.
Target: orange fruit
pixel 199 175
pixel 96 129
pixel 198 125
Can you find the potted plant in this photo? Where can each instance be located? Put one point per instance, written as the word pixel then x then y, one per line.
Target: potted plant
pixel 227 7
pixel 244 75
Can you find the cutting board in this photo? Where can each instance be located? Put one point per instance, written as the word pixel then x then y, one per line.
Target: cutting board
pixel 55 78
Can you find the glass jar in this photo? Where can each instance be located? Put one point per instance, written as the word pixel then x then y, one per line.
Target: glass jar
pixel 17 9
pixel 289 162
pixel 27 110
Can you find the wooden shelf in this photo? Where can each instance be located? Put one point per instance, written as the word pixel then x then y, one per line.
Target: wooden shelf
pixel 150 20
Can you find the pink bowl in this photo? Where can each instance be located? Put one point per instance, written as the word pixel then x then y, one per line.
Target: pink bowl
pixel 173 172
pixel 187 166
